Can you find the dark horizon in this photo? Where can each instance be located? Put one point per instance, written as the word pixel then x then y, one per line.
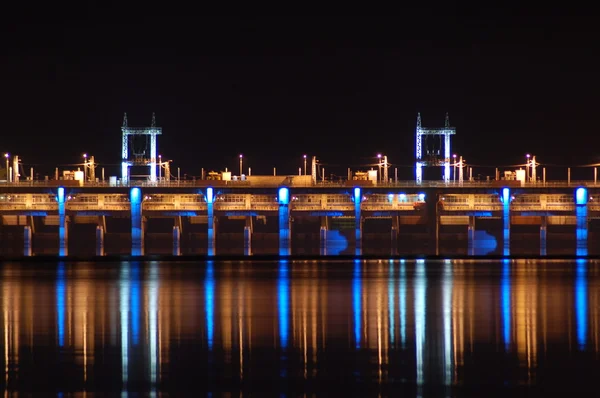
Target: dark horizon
pixel 275 88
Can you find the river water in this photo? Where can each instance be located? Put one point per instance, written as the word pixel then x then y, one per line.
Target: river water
pixel 300 328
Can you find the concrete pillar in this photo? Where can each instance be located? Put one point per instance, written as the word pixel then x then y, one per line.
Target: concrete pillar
pixel 27 240
pixel 394 234
pixel 323 236
pixel 581 213
pixel 358 219
pixel 543 235
pixel 137 227
pixel 471 236
pixel 210 221
pixel 176 240
pixel 99 240
pixel 283 198
pixel 433 222
pixel 248 229
pixel 63 230
pixel 506 198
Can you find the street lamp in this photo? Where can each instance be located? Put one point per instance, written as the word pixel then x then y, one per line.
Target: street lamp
pixel 241 159
pixel 379 167
pixel 7 156
pixel 85 166
pixel 159 167
pixel 527 167
pixel 454 173
pixel 304 164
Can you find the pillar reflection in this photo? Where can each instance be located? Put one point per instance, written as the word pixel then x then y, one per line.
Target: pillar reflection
pixel 209 303
pixel 153 324
pixel 124 312
pixel 447 286
pixel 581 303
pixel 526 305
pixel 506 303
pixel 357 302
pixel 402 302
pixel 420 288
pixel 283 302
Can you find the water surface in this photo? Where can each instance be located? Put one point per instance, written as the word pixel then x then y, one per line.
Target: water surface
pixel 450 328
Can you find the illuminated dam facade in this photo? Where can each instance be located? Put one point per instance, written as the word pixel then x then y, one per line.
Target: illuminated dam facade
pixel 434 219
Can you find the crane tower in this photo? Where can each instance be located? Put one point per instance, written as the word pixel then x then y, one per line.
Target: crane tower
pixel 433 148
pixel 139 148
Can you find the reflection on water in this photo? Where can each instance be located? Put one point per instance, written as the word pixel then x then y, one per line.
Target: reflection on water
pixel 411 326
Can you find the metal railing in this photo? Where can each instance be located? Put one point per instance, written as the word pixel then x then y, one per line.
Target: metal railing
pixel 319 184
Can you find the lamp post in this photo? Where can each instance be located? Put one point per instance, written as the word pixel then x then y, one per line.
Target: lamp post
pixel 527 167
pixel 241 159
pixel 7 156
pixel 159 167
pixel 304 164
pixel 85 166
pixel 379 167
pixel 454 162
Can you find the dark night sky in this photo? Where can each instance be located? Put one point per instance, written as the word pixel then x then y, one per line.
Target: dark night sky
pixel 273 88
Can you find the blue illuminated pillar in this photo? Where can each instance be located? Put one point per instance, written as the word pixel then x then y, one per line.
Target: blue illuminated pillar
pixel 210 199
pixel 357 219
pixel 62 223
pixel 506 220
pixel 581 199
pixel 283 198
pixel 137 231
pixel 543 235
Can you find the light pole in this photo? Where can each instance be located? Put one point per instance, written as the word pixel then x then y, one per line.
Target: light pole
pixel 7 156
pixel 379 167
pixel 159 167
pixel 527 168
pixel 304 164
pixel 454 173
pixel 85 166
pixel 241 159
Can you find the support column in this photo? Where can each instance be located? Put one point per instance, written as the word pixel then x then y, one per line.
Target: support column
pixel 248 229
pixel 394 234
pixel 211 221
pixel 283 197
pixel 176 240
pixel 471 236
pixel 357 220
pixel 433 222
pixel 543 235
pixel 323 236
pixel 62 223
pixel 99 240
pixel 581 199
pixel 506 198
pixel 27 240
pixel 137 227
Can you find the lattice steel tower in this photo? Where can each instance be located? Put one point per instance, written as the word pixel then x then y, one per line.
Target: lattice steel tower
pixel 142 142
pixel 431 151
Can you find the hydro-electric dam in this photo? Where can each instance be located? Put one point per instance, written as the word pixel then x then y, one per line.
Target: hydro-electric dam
pixel 471 218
